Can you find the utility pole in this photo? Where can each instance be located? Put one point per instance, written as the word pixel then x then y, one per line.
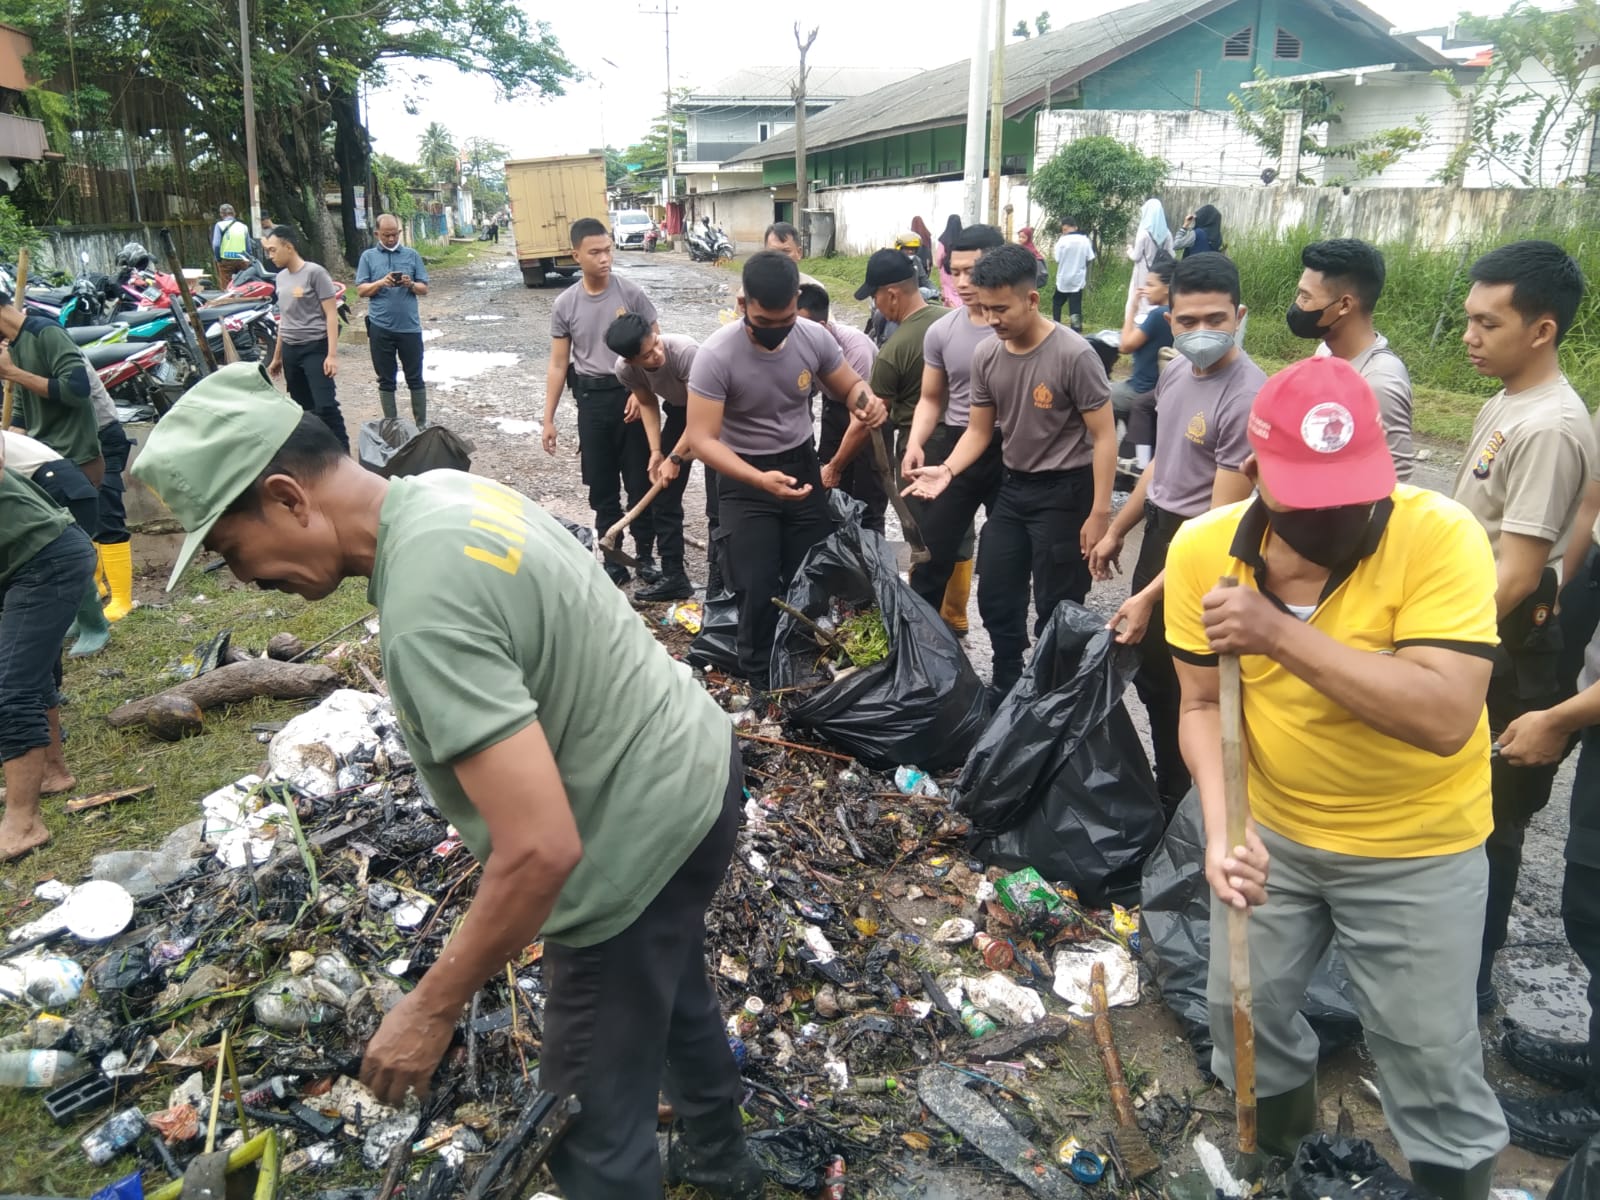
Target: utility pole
pixel 252 173
pixel 997 108
pixel 665 13
pixel 977 95
pixel 802 178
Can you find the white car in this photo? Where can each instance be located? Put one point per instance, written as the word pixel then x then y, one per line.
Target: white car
pixel 629 228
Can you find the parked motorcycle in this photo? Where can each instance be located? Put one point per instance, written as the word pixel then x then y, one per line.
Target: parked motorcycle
pixel 709 243
pixel 137 374
pixel 651 237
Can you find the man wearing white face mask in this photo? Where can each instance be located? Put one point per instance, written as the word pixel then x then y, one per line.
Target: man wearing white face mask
pixel 1202 411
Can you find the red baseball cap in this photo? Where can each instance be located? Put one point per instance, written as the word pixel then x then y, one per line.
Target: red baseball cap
pixel 1319 438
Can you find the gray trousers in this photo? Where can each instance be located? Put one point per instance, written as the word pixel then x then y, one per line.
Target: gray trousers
pixel 1410 931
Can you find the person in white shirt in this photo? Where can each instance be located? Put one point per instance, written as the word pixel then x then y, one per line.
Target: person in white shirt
pixel 1074 253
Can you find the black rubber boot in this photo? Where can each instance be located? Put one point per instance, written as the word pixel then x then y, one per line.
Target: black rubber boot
pixel 1454 1183
pixel 647 571
pixel 1282 1120
pixel 672 585
pixel 710 1153
pixel 618 573
pixel 1560 1064
pixel 1554 1125
pixel 419 407
pixel 386 403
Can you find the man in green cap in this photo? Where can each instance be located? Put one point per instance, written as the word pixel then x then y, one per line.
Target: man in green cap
pixel 503 643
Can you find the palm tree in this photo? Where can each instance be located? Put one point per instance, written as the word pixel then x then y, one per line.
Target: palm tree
pixel 437 151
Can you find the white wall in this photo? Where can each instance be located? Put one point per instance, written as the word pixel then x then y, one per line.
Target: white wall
pixel 1200 147
pixel 870 217
pixel 742 214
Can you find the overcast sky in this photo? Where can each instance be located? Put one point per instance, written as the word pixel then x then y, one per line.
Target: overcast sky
pixel 710 39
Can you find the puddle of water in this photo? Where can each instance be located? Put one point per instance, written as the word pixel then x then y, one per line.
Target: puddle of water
pixel 482 317
pixel 514 428
pixel 1548 998
pixel 451 368
pixel 502 266
pixel 429 335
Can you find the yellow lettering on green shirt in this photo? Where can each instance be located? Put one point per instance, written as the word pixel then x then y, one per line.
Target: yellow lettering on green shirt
pixel 496 512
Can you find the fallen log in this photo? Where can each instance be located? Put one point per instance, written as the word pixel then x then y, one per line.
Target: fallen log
pixel 234 683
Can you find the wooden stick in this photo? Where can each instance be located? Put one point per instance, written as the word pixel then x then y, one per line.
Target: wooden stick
pixel 216 1095
pixel 21 301
pixel 612 534
pixel 1238 818
pixel 100 799
pixel 768 741
pixel 824 636
pixel 1138 1159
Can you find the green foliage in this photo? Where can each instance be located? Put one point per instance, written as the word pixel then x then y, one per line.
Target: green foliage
pixel 1263 112
pixel 651 151
pixel 1100 183
pixel 436 151
pixel 15 230
pixel 1535 137
pixel 394 180
pixel 616 169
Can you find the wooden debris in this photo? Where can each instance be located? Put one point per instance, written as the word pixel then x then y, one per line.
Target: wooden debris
pixel 285 647
pixel 1007 1044
pixel 234 683
pixel 101 799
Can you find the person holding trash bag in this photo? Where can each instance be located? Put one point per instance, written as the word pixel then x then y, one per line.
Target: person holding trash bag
pixel 1364 623
pixel 608 838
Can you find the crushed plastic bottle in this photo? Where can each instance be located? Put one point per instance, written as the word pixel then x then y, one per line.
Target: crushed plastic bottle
pixel 914 782
pixel 39 1068
pixel 115 1135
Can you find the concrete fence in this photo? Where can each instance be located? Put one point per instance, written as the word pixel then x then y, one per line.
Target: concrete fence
pixel 1429 217
pixel 63 244
pixel 870 217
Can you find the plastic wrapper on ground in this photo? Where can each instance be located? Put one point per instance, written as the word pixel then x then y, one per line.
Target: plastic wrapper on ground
pixel 1175 919
pixel 1580 1180
pixel 1059 781
pixel 347 741
pixel 716 646
pixel 1340 1168
pixel 922 704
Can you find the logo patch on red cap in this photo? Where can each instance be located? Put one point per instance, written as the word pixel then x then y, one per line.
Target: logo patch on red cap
pixel 1328 428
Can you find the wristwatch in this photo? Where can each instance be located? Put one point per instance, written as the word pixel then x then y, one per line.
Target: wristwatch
pixel 675 459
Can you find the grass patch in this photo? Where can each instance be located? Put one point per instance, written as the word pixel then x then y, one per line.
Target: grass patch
pixel 440 255
pixel 44 1158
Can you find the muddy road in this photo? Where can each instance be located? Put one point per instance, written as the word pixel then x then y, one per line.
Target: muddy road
pixel 487 347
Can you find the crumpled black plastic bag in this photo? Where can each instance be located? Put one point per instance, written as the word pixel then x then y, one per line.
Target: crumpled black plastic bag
pixel 393 447
pixel 716 646
pixel 1329 1167
pixel 1175 923
pixel 796 1156
pixel 1580 1179
pixel 1059 781
pixel 922 705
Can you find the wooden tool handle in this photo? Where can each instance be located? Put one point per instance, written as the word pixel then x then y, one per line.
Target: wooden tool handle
pixel 615 531
pixel 1237 798
pixel 908 523
pixel 1121 1101
pixel 21 301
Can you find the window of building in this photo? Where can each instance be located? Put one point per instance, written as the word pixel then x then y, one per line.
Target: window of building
pixel 949 165
pixel 763 130
pixel 874 172
pixel 1287 46
pixel 1241 44
pixel 922 167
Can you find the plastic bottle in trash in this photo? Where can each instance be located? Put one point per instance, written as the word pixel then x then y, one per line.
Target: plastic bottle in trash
pixel 833 1181
pixel 110 1139
pixel 977 1022
pixel 38 1068
pixel 914 782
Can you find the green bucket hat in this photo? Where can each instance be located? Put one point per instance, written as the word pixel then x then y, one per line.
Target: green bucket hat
pixel 211 446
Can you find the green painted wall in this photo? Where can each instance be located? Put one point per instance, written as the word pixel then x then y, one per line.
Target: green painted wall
pixel 1159 76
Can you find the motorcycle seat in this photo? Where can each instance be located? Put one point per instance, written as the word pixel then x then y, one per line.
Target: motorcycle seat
pixel 104 356
pixel 82 335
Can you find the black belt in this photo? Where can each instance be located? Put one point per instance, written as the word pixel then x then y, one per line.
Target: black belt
pixel 1162 521
pixel 584 386
pixel 804 452
pixel 1048 476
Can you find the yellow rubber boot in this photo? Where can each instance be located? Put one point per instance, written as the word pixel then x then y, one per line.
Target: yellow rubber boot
pixel 118 560
pixel 100 583
pixel 956 594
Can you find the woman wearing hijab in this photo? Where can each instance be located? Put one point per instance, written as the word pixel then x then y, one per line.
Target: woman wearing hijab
pixel 941 256
pixel 1025 238
pixel 925 251
pixel 1153 238
pixel 1201 232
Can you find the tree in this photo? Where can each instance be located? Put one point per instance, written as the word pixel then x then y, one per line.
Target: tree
pixel 616 169
pixel 483 160
pixel 1264 110
pixel 436 151
pixel 1041 26
pixel 1532 135
pixel 651 152
pixel 1098 182
pixel 310 58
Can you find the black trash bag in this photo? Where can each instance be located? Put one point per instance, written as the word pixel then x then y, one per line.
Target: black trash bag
pixel 1330 1167
pixel 716 646
pixel 583 533
pixel 923 704
pixel 1175 939
pixel 1059 780
pixel 393 447
pixel 796 1156
pixel 1580 1179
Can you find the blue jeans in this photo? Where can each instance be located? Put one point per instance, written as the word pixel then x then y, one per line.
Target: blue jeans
pixel 36 607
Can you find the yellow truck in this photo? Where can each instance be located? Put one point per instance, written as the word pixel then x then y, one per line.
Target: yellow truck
pixel 547 195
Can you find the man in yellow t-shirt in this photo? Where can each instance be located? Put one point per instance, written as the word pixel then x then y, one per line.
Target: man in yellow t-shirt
pixel 1364 623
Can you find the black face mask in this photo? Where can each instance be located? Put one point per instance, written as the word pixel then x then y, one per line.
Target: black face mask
pixel 769 337
pixel 1328 537
pixel 1303 323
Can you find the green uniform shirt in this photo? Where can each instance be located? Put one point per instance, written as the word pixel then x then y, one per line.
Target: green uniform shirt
pixel 29 521
pixel 897 372
pixel 493 617
pixel 65 420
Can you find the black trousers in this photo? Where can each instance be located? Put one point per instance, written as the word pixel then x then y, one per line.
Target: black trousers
pixel 115 448
pixel 764 540
pixel 667 508
pixel 1528 676
pixel 1580 888
pixel 636 1010
pixel 1157 679
pixel 614 454
pixel 1074 303
pixel 311 389
pixel 947 521
pixel 860 479
pixel 1031 536
pixel 388 347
